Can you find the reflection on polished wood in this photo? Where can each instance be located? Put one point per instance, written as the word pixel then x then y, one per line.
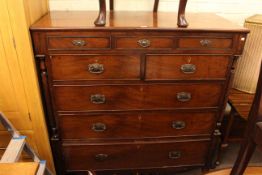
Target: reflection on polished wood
pixel 139 21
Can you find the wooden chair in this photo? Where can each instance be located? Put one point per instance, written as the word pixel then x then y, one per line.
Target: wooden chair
pixel 253 135
pixel 240 103
pixel 181 19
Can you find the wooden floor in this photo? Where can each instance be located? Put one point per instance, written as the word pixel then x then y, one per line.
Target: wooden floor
pixel 249 171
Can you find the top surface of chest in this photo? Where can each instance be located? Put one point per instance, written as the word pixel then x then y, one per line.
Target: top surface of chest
pixel 135 21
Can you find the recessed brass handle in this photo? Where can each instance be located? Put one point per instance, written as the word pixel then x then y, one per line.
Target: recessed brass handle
pixel 178 125
pixel 101 157
pixel 188 68
pixel 206 43
pixel 174 155
pixel 144 43
pixel 183 96
pixel 98 99
pixel 99 127
pixel 96 68
pixel 79 43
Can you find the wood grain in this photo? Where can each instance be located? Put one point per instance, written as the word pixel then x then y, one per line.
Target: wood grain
pixel 136 125
pixel 16 17
pixel 22 168
pixel 122 156
pixel 133 97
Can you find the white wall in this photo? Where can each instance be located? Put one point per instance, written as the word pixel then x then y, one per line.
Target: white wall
pixel 234 10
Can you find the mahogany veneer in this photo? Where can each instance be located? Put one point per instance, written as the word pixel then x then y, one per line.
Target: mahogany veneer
pixel 139 94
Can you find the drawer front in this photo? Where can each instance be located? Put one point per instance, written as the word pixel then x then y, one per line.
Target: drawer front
pixel 130 97
pixel 95 67
pixel 186 67
pixel 130 156
pixel 136 125
pixel 205 43
pixel 144 42
pixel 77 42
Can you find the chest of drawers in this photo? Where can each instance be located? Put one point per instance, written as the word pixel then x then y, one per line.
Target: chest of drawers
pixel 139 94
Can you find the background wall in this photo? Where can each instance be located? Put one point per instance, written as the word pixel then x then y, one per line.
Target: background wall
pixel 234 10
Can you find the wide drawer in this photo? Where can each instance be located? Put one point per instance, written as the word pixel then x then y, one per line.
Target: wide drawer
pixel 95 67
pixel 78 42
pixel 141 96
pixel 136 125
pixel 206 43
pixel 144 42
pixel 186 67
pixel 134 155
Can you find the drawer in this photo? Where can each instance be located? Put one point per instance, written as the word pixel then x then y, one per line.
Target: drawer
pixel 78 42
pixel 186 67
pixel 131 97
pixel 136 125
pixel 205 43
pixel 134 155
pixel 95 67
pixel 144 42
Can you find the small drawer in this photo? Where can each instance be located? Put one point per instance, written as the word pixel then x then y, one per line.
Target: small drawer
pixel 134 97
pixel 95 67
pixel 186 67
pixel 134 155
pixel 77 42
pixel 144 42
pixel 135 125
pixel 207 43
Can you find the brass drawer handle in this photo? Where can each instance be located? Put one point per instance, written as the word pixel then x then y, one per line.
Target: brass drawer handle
pixel 98 99
pixel 206 43
pixel 101 157
pixel 183 96
pixel 178 125
pixel 96 68
pixel 188 68
pixel 98 127
pixel 174 155
pixel 144 43
pixel 79 43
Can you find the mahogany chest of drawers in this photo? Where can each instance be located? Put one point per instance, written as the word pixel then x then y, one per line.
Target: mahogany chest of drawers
pixel 139 94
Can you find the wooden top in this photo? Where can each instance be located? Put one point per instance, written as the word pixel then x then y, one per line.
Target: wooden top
pixel 241 101
pixel 255 19
pixel 22 168
pixel 67 20
pixel 249 171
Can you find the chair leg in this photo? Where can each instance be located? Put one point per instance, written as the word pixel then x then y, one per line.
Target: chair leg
pixel 244 156
pixel 181 17
pixel 101 19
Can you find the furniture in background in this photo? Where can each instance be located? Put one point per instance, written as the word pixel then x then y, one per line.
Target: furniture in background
pixel 181 17
pixel 253 138
pixel 129 98
pixel 20 97
pixel 247 70
pixel 244 83
pixel 240 103
pixel 14 150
